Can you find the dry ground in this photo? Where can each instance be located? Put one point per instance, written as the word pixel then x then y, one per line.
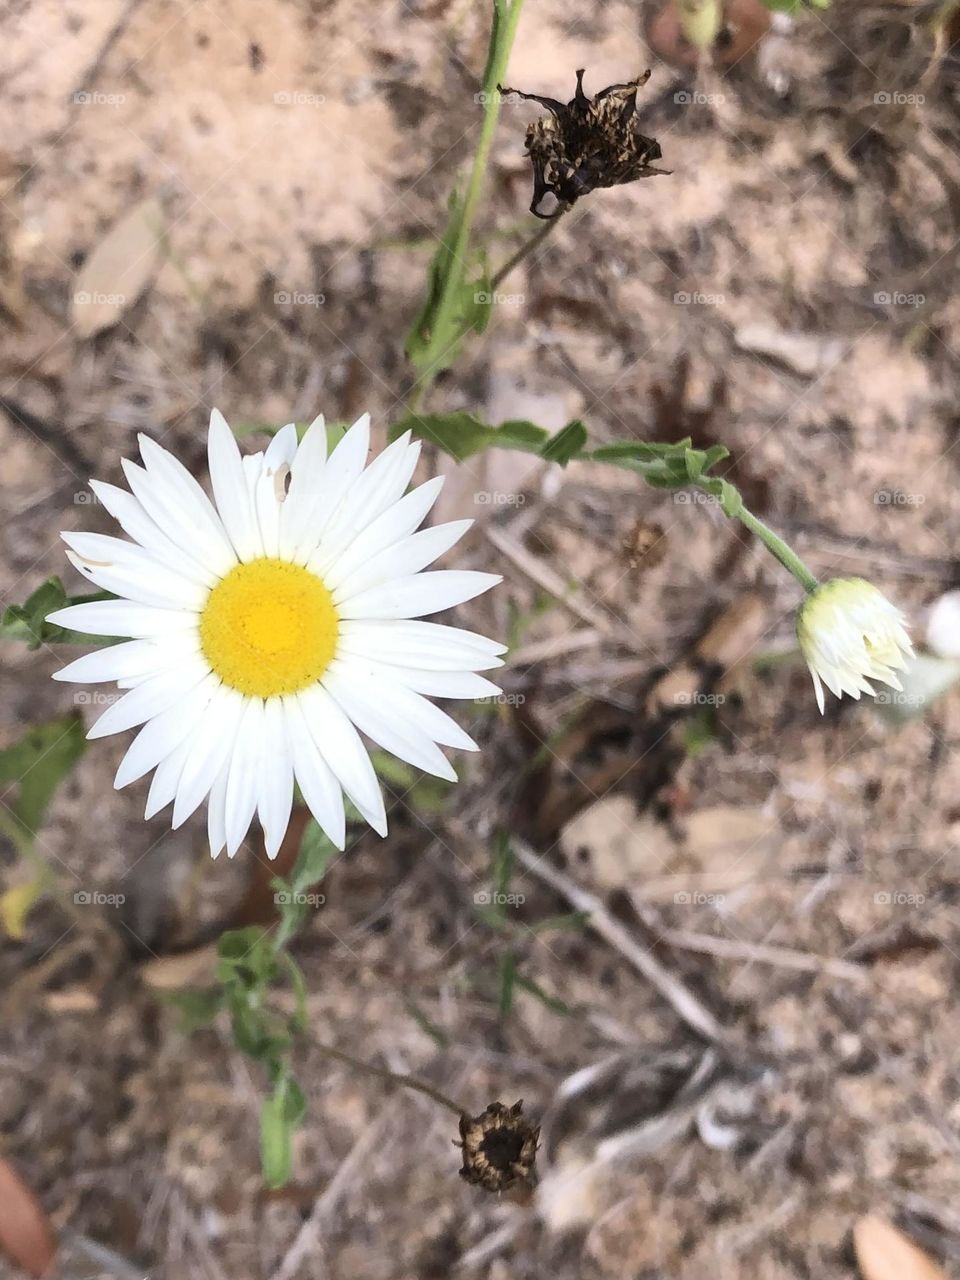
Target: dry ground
pixel 305 148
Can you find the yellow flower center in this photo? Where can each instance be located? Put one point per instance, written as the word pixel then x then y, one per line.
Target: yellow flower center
pixel 269 628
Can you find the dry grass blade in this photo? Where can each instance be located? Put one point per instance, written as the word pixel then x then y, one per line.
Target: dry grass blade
pixel 26 1236
pixel 685 1003
pixel 884 1253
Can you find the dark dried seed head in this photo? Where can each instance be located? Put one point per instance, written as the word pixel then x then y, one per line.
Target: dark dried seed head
pixel 499 1147
pixel 587 143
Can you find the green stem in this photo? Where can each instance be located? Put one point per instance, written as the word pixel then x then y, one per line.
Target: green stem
pixel 502 36
pixel 775 544
pixel 527 248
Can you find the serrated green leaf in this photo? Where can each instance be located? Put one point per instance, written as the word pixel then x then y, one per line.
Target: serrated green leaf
pixel 461 434
pixel 566 444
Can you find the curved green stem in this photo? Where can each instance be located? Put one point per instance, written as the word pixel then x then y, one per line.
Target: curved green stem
pixel 775 544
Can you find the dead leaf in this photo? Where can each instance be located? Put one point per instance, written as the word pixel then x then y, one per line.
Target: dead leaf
pixel 118 269
pixel 186 969
pixel 17 902
pixel 884 1253
pixel 26 1236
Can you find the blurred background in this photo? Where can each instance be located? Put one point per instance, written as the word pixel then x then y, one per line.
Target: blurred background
pixel 745 1059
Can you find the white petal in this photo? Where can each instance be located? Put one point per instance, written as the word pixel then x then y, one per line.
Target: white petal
pixel 132 659
pixel 305 472
pixel 397 522
pixel 245 765
pixel 430 645
pixel 418 594
pixel 380 487
pixel 157 694
pixel 434 684
pixel 164 733
pixel 135 523
pixel 276 778
pixel 406 557
pixel 339 743
pixel 400 738
pixel 163 784
pixel 230 489
pixel 177 508
pixel 210 748
pixel 122 618
pixel 343 468
pixel 321 790
pixel 398 703
pixel 269 493
pixel 217 812
pixel 129 571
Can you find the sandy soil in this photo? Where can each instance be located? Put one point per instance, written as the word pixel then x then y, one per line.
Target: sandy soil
pixel 789 291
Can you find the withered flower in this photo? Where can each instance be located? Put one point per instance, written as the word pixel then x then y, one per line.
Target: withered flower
pixel 587 143
pixel 499 1147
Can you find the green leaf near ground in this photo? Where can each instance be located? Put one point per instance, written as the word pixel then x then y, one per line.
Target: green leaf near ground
pixel 27 621
pixel 39 762
pixel 282 1114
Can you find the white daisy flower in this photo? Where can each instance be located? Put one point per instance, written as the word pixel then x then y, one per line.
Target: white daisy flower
pixel 265 629
pixel 851 634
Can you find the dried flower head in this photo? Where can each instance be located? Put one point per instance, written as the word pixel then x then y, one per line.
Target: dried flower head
pixel 587 143
pixel 499 1147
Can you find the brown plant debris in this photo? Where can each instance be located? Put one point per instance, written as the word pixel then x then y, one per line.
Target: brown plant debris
pixel 499 1147
pixel 587 143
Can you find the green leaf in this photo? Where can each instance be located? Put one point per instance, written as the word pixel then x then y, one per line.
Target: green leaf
pixel 197 1008
pixel 503 863
pixel 566 444
pixel 435 348
pixel 282 1114
pixel 316 854
pixel 534 988
pixel 461 434
pixel 39 762
pixel 626 451
pixel 27 621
